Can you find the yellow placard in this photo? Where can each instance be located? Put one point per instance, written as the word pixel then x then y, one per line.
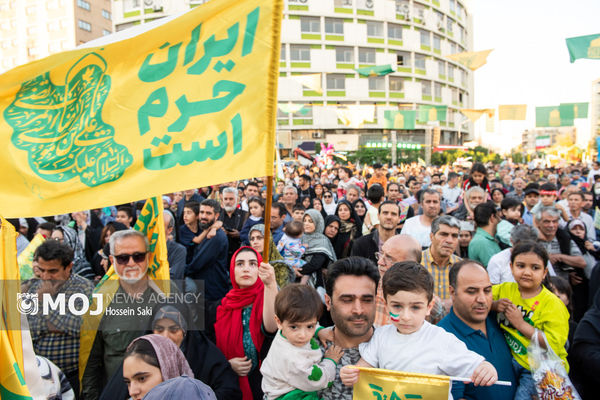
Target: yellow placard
pixel 189 103
pixel 379 384
pixel 471 59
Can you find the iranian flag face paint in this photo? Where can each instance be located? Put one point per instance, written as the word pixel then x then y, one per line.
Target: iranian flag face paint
pixel 394 317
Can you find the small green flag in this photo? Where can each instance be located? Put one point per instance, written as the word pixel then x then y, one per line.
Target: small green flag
pixel 431 113
pixel 573 110
pixel 401 119
pixel 550 117
pixel 584 47
pixel 376 70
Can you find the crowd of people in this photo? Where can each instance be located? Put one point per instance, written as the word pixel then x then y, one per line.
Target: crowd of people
pixel 448 270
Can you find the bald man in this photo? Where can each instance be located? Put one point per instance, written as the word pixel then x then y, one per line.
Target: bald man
pixel 395 249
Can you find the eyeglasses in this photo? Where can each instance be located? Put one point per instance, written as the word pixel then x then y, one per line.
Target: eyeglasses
pixel 386 259
pixel 328 196
pixel 124 258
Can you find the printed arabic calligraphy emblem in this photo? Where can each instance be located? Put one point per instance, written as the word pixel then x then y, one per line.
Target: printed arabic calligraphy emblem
pixel 61 127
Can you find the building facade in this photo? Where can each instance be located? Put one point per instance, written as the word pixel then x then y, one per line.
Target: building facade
pixel 332 38
pixel 32 29
pixel 335 37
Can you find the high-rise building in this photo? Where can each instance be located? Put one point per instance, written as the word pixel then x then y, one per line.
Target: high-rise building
pixel 32 29
pixel 595 110
pixel 333 38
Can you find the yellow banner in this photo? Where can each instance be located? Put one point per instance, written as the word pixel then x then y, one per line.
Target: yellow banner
pixel 151 223
pixel 12 371
pixel 380 384
pixel 514 112
pixel 474 115
pixel 25 259
pixel 189 103
pixel 471 59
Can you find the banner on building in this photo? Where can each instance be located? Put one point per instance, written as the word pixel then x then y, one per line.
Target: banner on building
pixel 550 117
pixel 189 103
pixel 431 113
pixel 399 119
pixel 471 59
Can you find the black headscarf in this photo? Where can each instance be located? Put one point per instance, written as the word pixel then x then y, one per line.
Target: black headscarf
pixel 348 234
pixel 364 205
pixel 337 245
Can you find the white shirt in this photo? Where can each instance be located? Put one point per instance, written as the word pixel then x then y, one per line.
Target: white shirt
pixel 430 350
pixel 499 268
pixel 451 195
pixel 288 367
pixel 413 227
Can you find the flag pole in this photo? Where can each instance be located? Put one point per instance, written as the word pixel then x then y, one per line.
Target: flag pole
pixel 268 203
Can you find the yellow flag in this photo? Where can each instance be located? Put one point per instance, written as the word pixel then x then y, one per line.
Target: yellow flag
pixel 151 223
pixel 474 115
pixel 25 259
pixel 515 112
pixel 189 103
pixel 311 81
pixel 376 383
pixel 12 369
pixel 471 59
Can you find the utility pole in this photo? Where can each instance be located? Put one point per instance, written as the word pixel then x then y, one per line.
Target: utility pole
pixel 394 148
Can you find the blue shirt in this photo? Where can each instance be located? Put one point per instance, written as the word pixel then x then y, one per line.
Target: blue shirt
pixel 495 350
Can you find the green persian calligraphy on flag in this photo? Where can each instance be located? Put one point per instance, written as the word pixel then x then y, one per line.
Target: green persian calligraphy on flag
pixel 401 119
pixel 584 47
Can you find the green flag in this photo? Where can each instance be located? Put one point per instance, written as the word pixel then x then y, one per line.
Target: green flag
pixel 376 70
pixel 550 117
pixel 584 47
pixel 431 113
pixel 401 119
pixel 573 110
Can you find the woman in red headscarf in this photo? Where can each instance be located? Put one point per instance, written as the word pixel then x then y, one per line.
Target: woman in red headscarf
pixel 246 317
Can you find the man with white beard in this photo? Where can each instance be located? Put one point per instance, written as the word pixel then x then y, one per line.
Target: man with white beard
pixel 233 219
pixel 130 312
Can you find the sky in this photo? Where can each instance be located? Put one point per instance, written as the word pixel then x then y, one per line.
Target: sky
pixel 530 62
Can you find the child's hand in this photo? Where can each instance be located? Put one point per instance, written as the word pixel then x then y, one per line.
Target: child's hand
pixel 503 304
pixel 513 315
pixel 349 375
pixel 335 353
pixel 484 375
pixel 325 335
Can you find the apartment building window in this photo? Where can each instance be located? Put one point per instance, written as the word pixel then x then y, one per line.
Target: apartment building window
pixel 437 90
pixel 377 83
pixel 396 84
pixel 342 3
pixel 366 56
pixel 453 5
pixel 282 53
pixel 299 53
pixel 403 58
pixel 437 43
pixel 461 33
pixel 106 15
pixel 441 68
pixel 374 29
pixel 310 25
pixel 450 25
pixel 419 11
pixel 450 72
pixel 344 55
pixel 84 4
pixel 426 88
pixel 86 26
pixel 334 26
pixel 336 82
pixel 394 31
pixel 425 39
pixel 439 19
pixel 105 32
pixel 419 61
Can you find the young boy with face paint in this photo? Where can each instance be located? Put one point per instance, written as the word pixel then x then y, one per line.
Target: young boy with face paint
pixel 412 344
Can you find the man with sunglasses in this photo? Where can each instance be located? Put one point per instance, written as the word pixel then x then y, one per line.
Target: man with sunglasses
pixel 133 298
